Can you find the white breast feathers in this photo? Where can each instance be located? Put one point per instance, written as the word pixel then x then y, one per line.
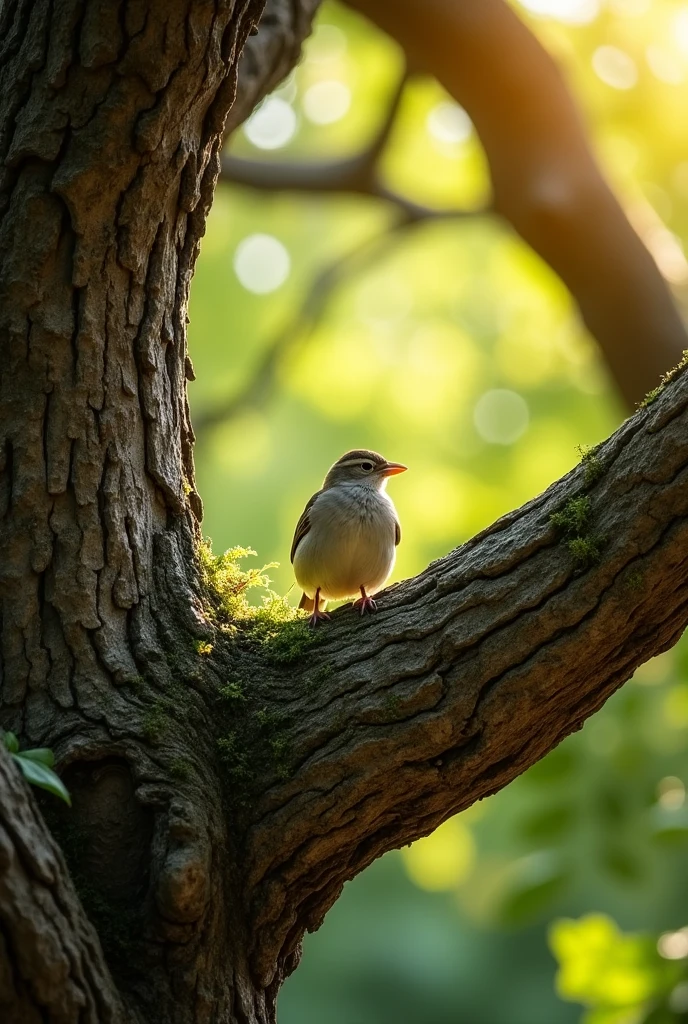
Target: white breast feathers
pixel 350 543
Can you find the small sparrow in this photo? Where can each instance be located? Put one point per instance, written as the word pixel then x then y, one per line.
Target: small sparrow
pixel 346 538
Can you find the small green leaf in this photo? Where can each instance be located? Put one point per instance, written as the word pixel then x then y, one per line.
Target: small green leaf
pixel 11 742
pixel 38 774
pixel 42 754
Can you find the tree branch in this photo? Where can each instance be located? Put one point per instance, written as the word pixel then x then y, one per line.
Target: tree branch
pixel 473 670
pixel 51 964
pixel 546 181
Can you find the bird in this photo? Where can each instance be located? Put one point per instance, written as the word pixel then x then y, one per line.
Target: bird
pixel 345 541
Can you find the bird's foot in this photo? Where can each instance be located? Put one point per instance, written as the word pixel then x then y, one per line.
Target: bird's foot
pixel 316 617
pixel 366 604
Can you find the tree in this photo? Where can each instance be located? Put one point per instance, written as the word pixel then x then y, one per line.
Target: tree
pixel 226 780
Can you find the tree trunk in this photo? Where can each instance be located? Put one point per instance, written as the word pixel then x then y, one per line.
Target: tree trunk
pixel 200 873
pixel 111 121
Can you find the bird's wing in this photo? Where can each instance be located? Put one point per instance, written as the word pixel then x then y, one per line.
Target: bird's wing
pixel 303 525
pixel 397 532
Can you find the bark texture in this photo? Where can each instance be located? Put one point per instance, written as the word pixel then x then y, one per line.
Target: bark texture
pixel 51 963
pixel 201 872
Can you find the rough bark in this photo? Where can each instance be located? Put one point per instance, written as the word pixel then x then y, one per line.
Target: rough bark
pixel 201 874
pixel 51 963
pixel 111 121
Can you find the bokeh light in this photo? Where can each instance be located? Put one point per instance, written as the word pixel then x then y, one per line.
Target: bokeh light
pixel 501 416
pixel 448 122
pixel 615 67
pixel 262 263
pixel 272 125
pixel 326 101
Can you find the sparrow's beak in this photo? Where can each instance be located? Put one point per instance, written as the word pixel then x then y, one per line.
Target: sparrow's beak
pixel 392 468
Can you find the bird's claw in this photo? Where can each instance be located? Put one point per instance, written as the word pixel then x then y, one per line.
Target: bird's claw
pixel 366 604
pixel 317 617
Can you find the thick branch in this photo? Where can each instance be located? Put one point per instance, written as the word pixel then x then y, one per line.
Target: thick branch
pixel 546 181
pixel 473 670
pixel 51 963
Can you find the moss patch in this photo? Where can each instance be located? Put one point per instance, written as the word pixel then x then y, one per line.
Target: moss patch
pixel 280 632
pixel 666 378
pixel 573 523
pixel 593 466
pixel 254 745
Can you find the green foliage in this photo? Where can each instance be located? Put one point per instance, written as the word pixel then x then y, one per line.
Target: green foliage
pixel 155 722
pixel 202 647
pixel 37 767
pixel 619 978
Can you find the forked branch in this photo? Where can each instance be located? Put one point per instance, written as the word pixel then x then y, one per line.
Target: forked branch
pixel 474 670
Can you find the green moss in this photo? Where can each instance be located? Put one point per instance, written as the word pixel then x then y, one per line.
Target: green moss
pixel 280 632
pixel 321 676
pixel 593 466
pixel 651 397
pixel 666 378
pixel 137 684
pixel 155 722
pixel 233 691
pixel 254 745
pixel 574 517
pixel 573 522
pixel 392 704
pixel 635 579
pixel 202 647
pixel 181 768
pixel 585 551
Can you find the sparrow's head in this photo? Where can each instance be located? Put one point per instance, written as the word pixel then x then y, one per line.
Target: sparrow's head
pixel 362 466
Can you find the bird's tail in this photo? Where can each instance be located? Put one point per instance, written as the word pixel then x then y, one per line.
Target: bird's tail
pixel 306 603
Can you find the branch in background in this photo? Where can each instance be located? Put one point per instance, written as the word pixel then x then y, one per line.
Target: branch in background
pixel 357 175
pixel 545 178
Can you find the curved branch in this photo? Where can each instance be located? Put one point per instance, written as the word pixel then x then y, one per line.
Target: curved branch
pixel 51 964
pixel 473 670
pixel 546 181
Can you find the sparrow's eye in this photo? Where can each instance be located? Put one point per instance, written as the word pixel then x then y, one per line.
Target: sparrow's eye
pixel 367 467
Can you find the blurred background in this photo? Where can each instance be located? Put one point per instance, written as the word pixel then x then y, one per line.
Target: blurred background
pixel 316 326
